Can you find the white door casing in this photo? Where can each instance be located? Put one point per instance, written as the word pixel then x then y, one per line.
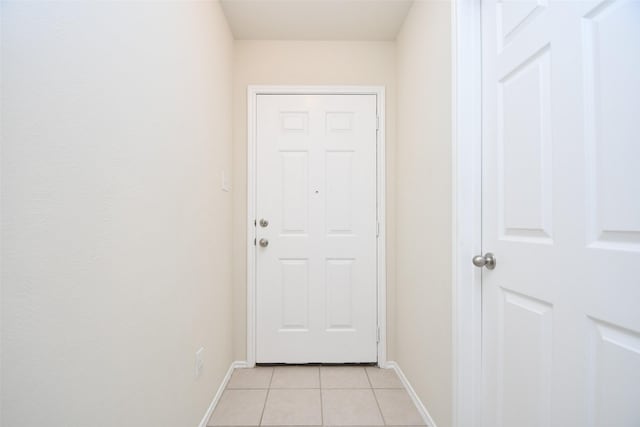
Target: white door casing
pixel 316 293
pixel 561 212
pixel 466 208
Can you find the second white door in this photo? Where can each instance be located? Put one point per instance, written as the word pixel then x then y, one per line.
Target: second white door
pixel 561 212
pixel 316 229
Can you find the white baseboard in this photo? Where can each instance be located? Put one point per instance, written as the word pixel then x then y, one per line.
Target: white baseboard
pixel 241 364
pixel 218 395
pixel 416 400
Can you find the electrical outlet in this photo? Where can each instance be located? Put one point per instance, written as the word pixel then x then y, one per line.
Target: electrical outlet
pixel 199 361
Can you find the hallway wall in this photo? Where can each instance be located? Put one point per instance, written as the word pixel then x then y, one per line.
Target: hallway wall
pixel 306 63
pixel 423 210
pixel 116 236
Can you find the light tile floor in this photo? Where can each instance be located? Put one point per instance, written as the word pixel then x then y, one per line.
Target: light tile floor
pixel 315 396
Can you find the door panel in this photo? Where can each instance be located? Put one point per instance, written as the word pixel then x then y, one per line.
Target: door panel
pixel 611 124
pixel 561 212
pixel 316 279
pixel 295 201
pixel 339 198
pixel 295 294
pixel 614 377
pixel 339 286
pixel 525 340
pixel 524 150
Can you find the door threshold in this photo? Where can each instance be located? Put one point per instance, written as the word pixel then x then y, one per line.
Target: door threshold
pixel 365 364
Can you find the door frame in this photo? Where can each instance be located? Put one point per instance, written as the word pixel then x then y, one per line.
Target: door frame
pixel 252 95
pixel 466 98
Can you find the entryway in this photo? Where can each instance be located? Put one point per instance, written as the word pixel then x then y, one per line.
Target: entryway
pixel 315 395
pixel 154 238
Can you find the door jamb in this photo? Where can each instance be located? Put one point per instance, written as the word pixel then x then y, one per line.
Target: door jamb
pixel 467 212
pixel 252 94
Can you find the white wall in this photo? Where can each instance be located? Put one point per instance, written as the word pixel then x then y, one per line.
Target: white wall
pixel 423 210
pixel 1 243
pixel 116 238
pixel 306 63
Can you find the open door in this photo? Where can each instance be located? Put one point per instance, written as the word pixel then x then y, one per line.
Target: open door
pixel 561 213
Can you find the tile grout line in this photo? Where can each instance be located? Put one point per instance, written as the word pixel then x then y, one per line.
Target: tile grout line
pixel 266 398
pixel 273 374
pixel 375 396
pixel 321 396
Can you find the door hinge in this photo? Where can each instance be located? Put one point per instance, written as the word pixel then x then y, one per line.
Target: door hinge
pixel 378 335
pixel 255 242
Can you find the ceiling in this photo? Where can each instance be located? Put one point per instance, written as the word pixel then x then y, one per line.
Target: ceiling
pixel 315 19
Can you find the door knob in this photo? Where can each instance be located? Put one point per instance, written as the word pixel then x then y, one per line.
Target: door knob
pixel 263 222
pixel 488 260
pixel 264 243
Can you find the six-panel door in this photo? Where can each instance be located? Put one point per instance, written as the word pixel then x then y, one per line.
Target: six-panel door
pixel 561 212
pixel 316 187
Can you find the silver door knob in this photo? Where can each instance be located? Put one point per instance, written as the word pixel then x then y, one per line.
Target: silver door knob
pixel 264 243
pixel 263 223
pixel 488 260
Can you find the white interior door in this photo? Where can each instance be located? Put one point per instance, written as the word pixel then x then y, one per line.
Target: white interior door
pixel 316 187
pixel 561 213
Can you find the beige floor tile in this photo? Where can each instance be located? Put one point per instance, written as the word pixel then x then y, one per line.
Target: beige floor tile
pixel 383 378
pixel 398 408
pixel 343 377
pixel 259 377
pixel 296 377
pixel 293 408
pixel 350 408
pixel 239 408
